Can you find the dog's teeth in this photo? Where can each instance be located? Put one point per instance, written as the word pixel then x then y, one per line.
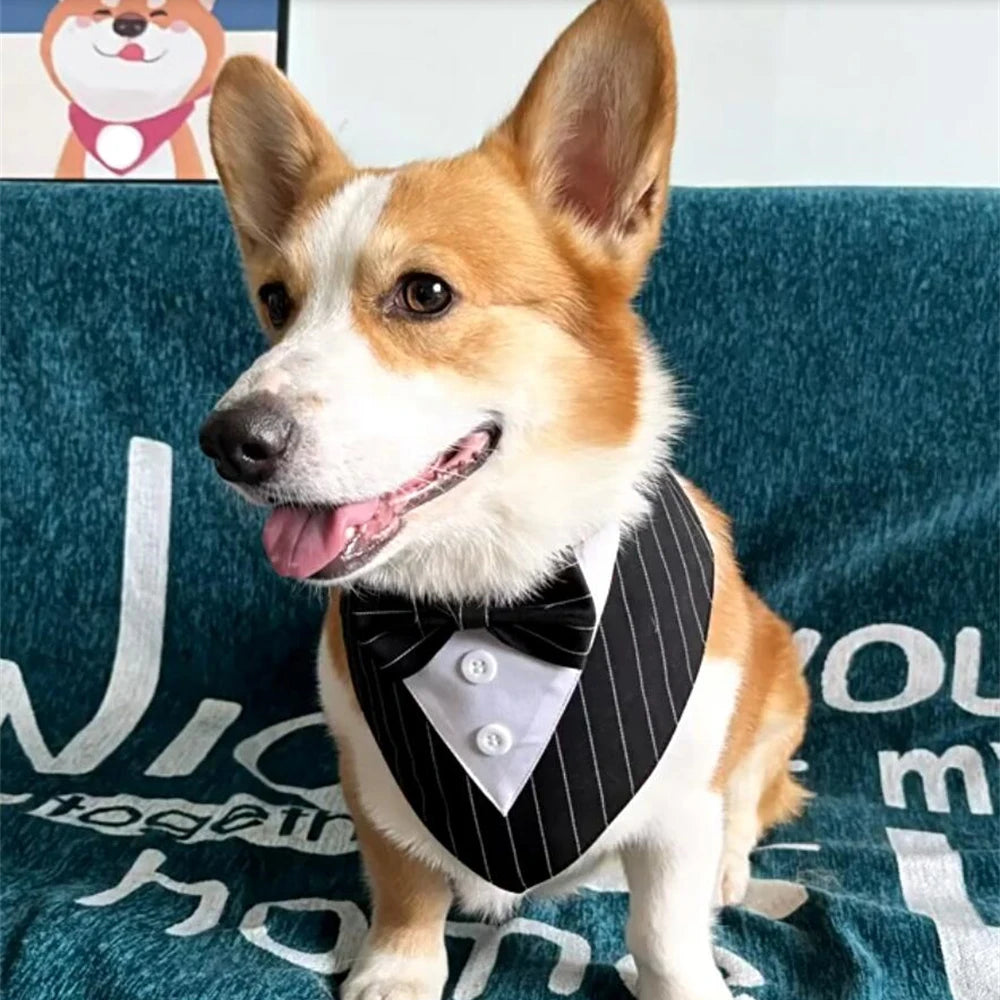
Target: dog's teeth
pixel 351 532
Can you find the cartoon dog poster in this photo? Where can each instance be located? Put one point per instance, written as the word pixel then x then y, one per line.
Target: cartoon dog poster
pixel 117 90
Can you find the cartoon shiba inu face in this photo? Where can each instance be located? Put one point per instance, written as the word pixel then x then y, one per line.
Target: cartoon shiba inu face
pixel 133 59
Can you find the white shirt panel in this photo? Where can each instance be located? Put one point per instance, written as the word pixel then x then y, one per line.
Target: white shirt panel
pixel 496 708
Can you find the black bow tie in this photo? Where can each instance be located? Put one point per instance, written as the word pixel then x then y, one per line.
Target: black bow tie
pixel 401 635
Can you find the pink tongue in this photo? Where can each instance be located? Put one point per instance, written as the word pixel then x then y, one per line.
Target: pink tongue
pixel 301 542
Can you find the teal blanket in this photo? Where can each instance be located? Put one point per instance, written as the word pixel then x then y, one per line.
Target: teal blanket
pixel 173 827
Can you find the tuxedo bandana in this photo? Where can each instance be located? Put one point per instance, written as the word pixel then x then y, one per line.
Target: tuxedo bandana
pixel 518 733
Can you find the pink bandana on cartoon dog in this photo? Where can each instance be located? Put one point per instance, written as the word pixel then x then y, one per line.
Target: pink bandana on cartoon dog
pixel 123 146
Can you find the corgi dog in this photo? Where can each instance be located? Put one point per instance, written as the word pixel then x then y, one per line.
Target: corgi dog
pixel 132 71
pixel 463 431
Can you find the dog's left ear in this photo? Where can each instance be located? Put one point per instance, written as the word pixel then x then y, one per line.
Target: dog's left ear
pixel 594 130
pixel 268 145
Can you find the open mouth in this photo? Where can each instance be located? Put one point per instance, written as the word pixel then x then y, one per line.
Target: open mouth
pixel 130 53
pixel 332 542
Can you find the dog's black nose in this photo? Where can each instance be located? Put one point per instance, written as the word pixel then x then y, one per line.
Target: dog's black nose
pixel 129 25
pixel 248 441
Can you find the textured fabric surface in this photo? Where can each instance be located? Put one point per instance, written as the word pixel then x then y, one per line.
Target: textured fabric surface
pixel 172 825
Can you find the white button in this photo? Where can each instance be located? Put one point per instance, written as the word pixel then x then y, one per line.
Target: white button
pixel 478 666
pixel 494 740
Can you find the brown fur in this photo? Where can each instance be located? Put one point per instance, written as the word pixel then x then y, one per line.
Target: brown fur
pixel 410 900
pixel 481 245
pixel 510 241
pixel 773 698
pixel 496 250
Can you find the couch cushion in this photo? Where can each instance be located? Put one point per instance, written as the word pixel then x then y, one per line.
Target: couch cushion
pixel 839 352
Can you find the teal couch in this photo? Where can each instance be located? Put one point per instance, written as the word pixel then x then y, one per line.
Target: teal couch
pixel 172 826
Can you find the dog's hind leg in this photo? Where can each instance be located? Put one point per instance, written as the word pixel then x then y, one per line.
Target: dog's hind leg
pixel 758 790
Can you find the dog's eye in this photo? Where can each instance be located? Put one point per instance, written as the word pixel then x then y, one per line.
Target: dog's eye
pixel 159 13
pixel 424 294
pixel 277 302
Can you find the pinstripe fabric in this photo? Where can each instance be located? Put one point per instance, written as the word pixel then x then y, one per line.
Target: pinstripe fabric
pixel 614 729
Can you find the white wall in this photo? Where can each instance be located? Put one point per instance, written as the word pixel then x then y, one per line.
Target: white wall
pixel 775 92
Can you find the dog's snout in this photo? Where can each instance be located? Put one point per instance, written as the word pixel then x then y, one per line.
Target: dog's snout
pixel 129 25
pixel 248 441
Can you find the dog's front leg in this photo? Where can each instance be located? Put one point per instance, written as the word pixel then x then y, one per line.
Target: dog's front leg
pixel 403 957
pixel 671 884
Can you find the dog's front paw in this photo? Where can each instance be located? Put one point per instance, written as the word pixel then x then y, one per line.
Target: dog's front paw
pixel 714 989
pixel 734 879
pixel 655 988
pixel 380 975
pixel 685 983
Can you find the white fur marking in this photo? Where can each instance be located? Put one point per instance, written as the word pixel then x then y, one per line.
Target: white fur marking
pixel 383 975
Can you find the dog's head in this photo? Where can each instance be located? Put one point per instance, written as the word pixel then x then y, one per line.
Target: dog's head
pixel 127 60
pixel 457 387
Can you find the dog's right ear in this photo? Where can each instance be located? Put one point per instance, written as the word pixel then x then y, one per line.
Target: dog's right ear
pixel 593 132
pixel 268 145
